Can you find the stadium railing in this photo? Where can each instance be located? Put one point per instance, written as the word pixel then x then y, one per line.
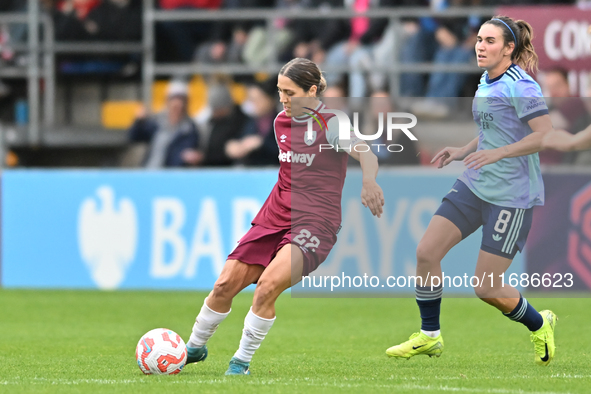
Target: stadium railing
pixel 395 15
pixel 42 129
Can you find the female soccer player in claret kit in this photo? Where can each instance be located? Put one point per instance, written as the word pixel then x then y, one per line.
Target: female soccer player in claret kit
pixel 498 190
pixel 296 228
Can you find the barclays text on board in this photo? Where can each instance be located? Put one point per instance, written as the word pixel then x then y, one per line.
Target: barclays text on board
pixel 173 230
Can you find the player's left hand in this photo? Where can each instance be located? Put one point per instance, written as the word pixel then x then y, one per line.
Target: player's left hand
pixel 477 160
pixel 372 197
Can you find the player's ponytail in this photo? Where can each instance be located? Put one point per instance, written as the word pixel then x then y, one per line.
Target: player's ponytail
pixel 321 86
pixel 526 56
pixel 521 34
pixel 304 73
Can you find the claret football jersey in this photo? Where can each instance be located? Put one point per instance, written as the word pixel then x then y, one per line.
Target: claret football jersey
pixel 312 170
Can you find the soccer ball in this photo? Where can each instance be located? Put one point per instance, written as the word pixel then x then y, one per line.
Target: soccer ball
pixel 161 352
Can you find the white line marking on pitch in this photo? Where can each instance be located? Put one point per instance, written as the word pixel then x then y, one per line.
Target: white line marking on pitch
pixel 288 382
pixel 477 390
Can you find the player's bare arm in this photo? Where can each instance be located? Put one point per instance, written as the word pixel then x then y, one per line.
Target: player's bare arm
pixel 449 154
pixel 372 195
pixel 541 126
pixel 564 141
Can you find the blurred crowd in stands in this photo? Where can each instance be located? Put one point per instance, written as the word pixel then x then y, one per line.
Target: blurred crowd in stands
pixel 226 133
pixel 222 134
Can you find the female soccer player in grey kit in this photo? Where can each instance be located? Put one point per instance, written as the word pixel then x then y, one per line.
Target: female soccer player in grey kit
pixel 498 190
pixel 296 228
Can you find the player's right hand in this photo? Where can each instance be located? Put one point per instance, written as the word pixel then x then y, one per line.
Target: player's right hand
pixel 372 197
pixel 447 155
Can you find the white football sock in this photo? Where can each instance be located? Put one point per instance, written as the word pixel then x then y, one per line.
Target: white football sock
pixel 206 323
pixel 432 334
pixel 255 330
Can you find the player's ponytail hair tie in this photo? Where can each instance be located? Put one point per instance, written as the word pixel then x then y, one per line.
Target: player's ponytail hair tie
pixel 508 27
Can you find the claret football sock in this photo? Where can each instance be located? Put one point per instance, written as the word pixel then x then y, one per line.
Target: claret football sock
pixel 255 330
pixel 205 325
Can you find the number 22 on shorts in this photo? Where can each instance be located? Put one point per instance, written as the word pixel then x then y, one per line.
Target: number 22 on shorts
pixel 305 239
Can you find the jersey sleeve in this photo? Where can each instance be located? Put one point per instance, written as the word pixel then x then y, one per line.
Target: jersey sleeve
pixel 528 100
pixel 332 136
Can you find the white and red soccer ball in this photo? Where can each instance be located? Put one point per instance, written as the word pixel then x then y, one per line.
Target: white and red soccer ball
pixel 161 352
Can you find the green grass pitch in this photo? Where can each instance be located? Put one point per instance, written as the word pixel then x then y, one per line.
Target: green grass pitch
pixel 84 342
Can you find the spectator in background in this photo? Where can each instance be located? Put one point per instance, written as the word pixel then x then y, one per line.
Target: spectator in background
pixel 70 21
pixel 185 37
pixel 353 32
pixel 456 40
pixel 225 123
pixel 376 49
pixel 105 20
pixel 366 43
pixel 380 105
pixel 566 112
pixel 17 31
pixel 6 56
pixel 172 136
pixel 257 145
pixel 335 97
pixel 10 33
pixel 335 91
pixel 455 46
pixel 115 20
pixel 228 38
pixel 426 38
pixel 257 51
pixel 418 46
pixel 312 38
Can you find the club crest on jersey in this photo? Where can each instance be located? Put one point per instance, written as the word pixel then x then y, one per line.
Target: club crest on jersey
pixel 310 137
